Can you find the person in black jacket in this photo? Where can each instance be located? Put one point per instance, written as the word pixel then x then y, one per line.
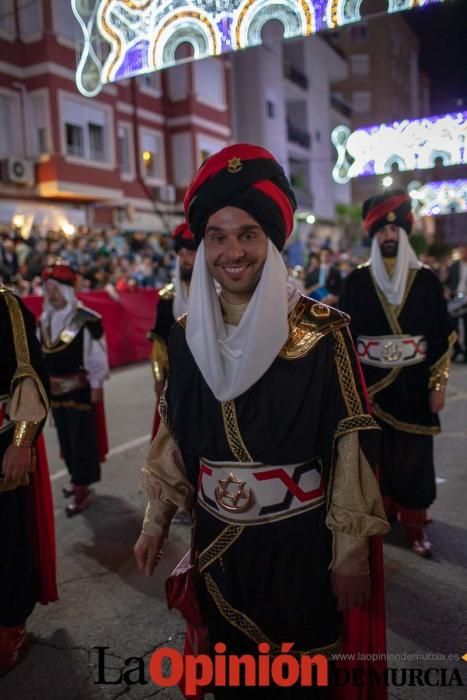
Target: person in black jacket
pixel 324 282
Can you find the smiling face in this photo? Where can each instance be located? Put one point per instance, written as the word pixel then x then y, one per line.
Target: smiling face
pixel 236 250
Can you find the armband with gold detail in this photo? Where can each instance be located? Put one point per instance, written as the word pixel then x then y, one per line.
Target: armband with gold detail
pixel 25 433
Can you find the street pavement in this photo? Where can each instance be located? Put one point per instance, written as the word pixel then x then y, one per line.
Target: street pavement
pixel 106 603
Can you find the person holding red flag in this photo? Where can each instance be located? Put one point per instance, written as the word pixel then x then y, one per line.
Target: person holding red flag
pixel 265 434
pixel 27 541
pixel 75 357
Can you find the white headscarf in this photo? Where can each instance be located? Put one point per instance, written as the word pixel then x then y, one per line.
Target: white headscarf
pixel 182 290
pixel 57 319
pixel 233 358
pixel 393 287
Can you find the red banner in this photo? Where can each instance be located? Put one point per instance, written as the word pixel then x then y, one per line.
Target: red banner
pixel 126 321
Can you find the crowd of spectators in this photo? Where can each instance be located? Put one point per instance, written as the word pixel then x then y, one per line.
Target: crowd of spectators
pixel 117 261
pixel 104 259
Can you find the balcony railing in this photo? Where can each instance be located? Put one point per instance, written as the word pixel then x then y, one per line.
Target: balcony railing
pixel 298 136
pixel 341 106
pixel 295 75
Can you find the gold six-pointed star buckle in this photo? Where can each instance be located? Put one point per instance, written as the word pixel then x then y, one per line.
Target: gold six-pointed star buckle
pixel 233 495
pixel 234 165
pixel 391 216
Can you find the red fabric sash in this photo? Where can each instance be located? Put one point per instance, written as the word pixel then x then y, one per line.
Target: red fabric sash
pixel 43 526
pixel 365 627
pixel 102 437
pixel 365 633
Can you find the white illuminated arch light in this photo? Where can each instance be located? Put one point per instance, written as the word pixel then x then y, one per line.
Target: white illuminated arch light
pixel 412 144
pixel 341 12
pixel 252 15
pixel 181 29
pixel 441 197
pixel 128 28
pixel 88 53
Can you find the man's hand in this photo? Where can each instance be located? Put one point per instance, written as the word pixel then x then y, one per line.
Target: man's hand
pixel 148 552
pixel 16 462
pixel 97 395
pixel 436 400
pixel 350 591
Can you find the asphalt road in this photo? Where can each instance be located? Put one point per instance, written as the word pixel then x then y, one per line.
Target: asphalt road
pixel 105 602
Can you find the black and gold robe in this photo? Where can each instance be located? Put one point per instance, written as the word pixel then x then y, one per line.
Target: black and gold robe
pixel 400 395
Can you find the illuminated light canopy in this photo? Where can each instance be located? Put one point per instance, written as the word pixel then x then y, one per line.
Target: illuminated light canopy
pixel 125 38
pixel 444 197
pixel 406 145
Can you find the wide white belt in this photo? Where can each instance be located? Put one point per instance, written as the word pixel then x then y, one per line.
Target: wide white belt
pixel 391 350
pixel 249 493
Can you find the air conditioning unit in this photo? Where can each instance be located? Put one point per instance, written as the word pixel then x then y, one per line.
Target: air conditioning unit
pixel 167 194
pixel 19 171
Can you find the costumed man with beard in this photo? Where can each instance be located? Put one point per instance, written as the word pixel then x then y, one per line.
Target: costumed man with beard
pixel 265 434
pixel 27 540
pixel 173 302
pixel 400 325
pixel 75 357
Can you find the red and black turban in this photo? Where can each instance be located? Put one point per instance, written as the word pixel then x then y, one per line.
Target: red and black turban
pixel 249 178
pixel 60 272
pixel 391 207
pixel 183 238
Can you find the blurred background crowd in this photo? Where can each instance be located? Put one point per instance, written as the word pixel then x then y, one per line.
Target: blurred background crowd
pixel 115 261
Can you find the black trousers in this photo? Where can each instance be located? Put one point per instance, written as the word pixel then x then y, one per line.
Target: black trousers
pixel 18 578
pixel 77 434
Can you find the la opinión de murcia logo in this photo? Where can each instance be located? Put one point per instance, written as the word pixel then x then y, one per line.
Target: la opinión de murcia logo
pixel 168 667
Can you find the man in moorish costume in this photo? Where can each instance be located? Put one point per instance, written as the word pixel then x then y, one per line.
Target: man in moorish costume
pixel 27 540
pixel 173 302
pixel 400 325
pixel 264 432
pixel 75 357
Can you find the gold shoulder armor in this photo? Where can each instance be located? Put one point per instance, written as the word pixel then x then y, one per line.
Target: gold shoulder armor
pixel 310 321
pixel 167 292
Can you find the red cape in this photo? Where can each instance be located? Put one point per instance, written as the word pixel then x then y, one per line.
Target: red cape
pixel 364 630
pixel 43 529
pixel 102 436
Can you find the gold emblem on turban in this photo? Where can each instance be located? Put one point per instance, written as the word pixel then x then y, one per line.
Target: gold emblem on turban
pixel 234 165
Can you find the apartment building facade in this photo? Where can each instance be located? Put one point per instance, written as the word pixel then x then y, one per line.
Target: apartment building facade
pixel 282 100
pixel 124 157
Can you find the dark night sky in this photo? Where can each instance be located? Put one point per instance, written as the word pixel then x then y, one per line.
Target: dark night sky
pixel 442 30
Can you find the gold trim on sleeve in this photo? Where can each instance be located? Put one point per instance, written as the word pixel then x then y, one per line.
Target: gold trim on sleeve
pixel 352 423
pixel 20 339
pixel 346 377
pixel 159 359
pixel 439 371
pixel 24 433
